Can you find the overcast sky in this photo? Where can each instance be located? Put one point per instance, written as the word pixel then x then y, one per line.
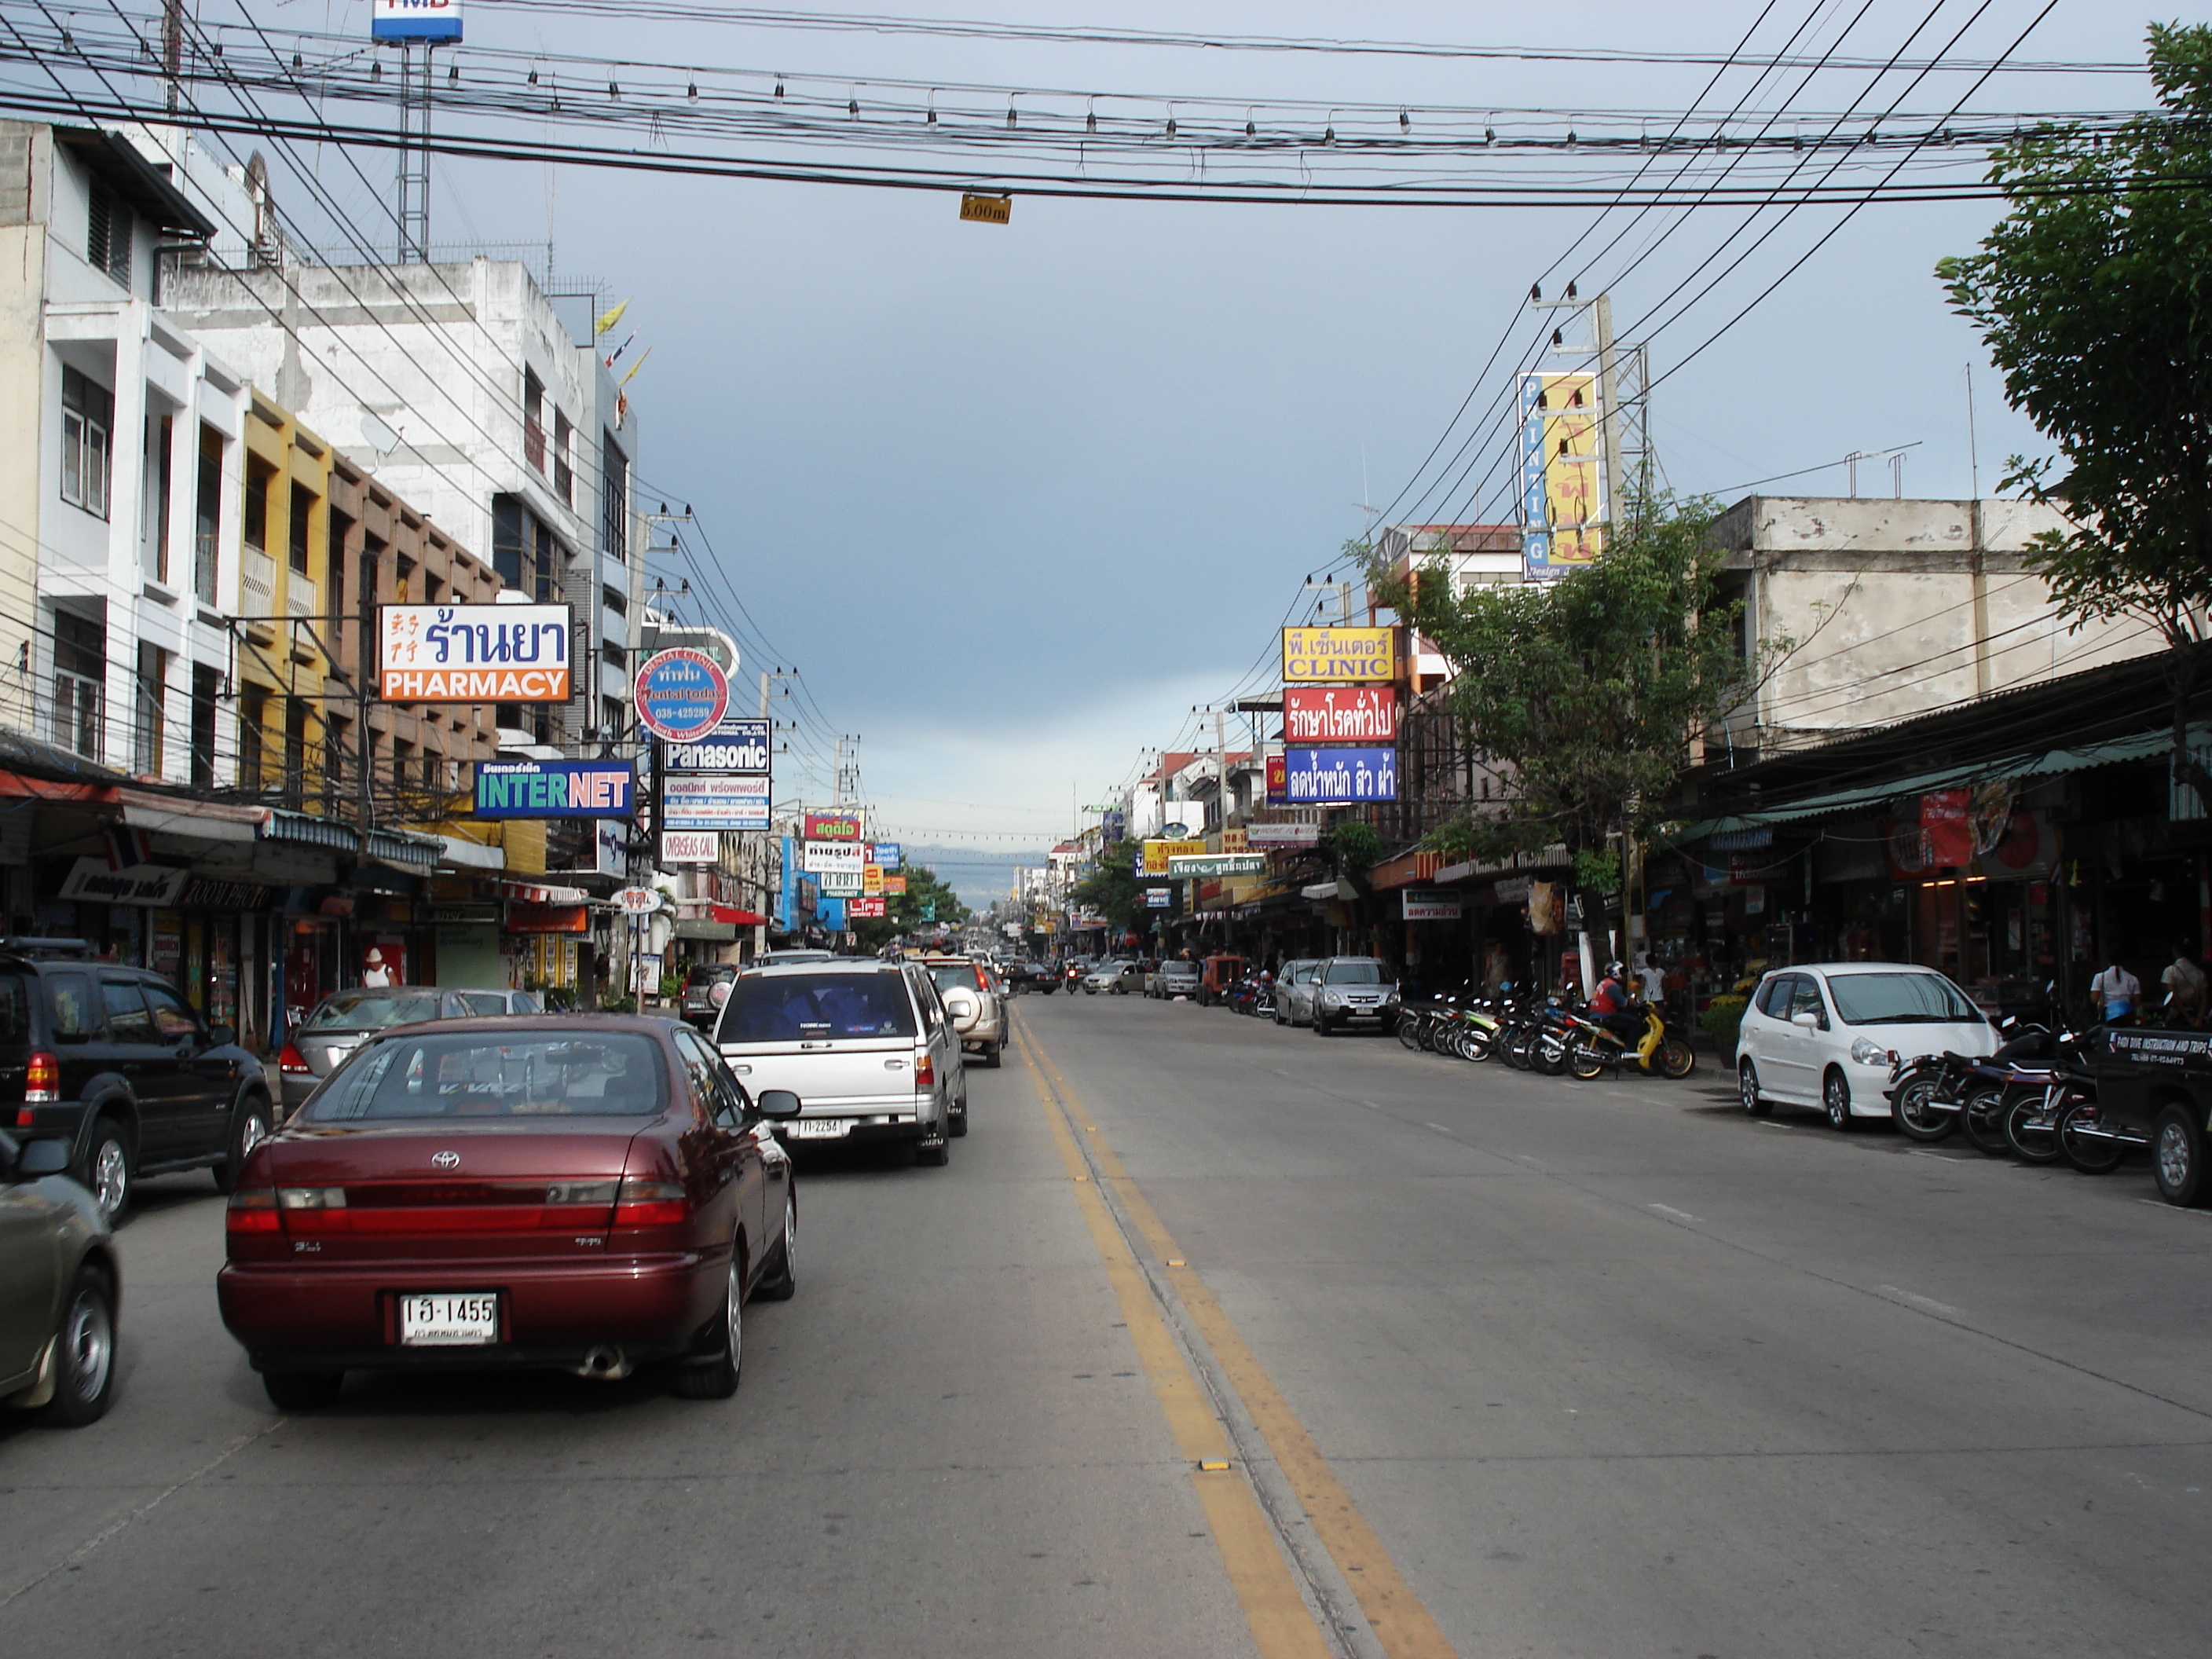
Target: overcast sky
pixel 1016 498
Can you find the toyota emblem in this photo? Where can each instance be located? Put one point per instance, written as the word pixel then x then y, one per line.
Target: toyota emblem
pixel 444 1160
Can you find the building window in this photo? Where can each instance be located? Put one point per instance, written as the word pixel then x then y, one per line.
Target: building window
pixel 207 688
pixel 507 541
pixel 107 238
pixel 80 682
pixel 303 503
pixel 549 554
pixel 87 417
pixel 260 478
pixel 533 420
pixel 207 515
pixel 614 500
pixel 564 474
pixel 158 436
pixel 613 598
pixel 618 659
pixel 295 751
pixel 150 713
pixel 252 728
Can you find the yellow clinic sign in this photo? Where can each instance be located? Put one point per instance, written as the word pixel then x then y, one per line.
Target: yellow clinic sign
pixel 872 880
pixel 1339 656
pixel 1158 852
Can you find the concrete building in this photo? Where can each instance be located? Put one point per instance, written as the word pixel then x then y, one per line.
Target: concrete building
pixel 463 389
pixel 1894 609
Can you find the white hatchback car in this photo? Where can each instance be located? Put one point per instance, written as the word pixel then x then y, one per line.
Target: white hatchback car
pixel 1826 1034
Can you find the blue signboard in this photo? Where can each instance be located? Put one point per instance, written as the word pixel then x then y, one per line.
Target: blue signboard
pixel 555 789
pixel 885 855
pixel 435 20
pixel 1339 777
pixel 738 746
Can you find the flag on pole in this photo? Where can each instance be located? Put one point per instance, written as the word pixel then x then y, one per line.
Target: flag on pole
pixel 609 318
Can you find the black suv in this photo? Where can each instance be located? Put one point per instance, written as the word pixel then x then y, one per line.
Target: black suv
pixel 700 1006
pixel 112 1061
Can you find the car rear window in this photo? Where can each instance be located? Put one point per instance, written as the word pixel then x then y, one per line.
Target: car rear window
pixel 772 1008
pixel 15 1011
pixel 374 1011
pixel 595 1074
pixel 956 975
pixel 1900 999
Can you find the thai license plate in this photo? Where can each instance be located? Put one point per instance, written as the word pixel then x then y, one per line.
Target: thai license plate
pixel 449 1319
pixel 820 1128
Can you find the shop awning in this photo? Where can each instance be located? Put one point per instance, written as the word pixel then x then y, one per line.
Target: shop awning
pixel 199 820
pixel 402 850
pixel 526 892
pixel 2030 763
pixel 738 918
pixel 461 853
pixel 698 927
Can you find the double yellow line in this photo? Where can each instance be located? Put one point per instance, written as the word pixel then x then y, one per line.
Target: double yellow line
pixel 1282 1625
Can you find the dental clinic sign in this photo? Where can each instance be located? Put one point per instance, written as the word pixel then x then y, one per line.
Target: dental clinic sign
pixel 412 22
pixel 1339 777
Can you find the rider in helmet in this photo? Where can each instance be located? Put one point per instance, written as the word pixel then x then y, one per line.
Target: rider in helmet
pixel 1612 1005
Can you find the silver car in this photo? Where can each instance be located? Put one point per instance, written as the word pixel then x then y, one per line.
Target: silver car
pixel 1294 991
pixel 869 1046
pixel 343 1021
pixel 57 1287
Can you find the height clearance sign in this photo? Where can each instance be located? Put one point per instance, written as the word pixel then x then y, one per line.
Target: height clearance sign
pixel 473 652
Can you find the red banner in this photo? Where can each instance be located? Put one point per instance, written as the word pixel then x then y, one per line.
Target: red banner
pixel 832 826
pixel 863 909
pixel 1950 832
pixel 1340 714
pixel 1279 779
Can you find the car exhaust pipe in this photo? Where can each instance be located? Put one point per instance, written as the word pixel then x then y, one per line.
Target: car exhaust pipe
pixel 605 1364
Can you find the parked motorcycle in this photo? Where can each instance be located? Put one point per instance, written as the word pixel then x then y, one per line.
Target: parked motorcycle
pixel 1598 1046
pixel 1932 1095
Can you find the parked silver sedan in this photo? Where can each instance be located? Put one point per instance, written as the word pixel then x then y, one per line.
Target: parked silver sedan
pixel 1294 991
pixel 343 1021
pixel 58 1287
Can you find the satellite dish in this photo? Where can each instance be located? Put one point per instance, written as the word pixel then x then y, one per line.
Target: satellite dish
pixel 378 434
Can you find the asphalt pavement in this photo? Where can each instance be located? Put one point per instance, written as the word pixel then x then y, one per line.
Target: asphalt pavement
pixel 1497 1365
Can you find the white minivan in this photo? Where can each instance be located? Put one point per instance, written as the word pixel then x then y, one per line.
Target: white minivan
pixel 1826 1034
pixel 867 1046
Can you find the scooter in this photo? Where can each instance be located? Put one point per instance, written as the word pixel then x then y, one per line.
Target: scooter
pixel 1597 1046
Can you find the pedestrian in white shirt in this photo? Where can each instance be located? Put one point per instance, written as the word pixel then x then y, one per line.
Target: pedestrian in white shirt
pixel 2114 992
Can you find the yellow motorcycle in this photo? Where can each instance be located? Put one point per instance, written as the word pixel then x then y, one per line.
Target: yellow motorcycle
pixel 1657 1050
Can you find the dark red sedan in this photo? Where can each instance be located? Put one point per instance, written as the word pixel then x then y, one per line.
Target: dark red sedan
pixel 560 1192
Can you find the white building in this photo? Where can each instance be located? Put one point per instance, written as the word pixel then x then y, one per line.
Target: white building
pixel 461 387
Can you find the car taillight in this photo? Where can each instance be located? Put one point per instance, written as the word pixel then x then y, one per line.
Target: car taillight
pixel 42 1082
pixel 252 1209
pixel 291 1060
pixel 652 1204
pixel 925 1072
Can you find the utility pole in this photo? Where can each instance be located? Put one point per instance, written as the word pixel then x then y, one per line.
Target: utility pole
pixel 173 50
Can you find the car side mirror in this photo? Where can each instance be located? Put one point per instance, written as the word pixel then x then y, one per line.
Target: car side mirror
pixel 779 1105
pixel 42 1157
pixel 220 1036
pixel 1810 1022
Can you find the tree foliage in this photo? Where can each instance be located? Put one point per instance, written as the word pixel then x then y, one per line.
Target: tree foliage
pixel 1112 889
pixel 2094 296
pixel 902 912
pixel 1587 691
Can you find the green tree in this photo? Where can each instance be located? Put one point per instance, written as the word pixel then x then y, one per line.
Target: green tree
pixel 2094 295
pixel 903 913
pixel 1112 887
pixel 1588 691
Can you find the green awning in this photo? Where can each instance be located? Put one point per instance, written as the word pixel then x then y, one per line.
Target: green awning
pixel 2030 763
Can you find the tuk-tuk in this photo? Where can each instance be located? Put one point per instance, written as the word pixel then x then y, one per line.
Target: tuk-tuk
pixel 1215 978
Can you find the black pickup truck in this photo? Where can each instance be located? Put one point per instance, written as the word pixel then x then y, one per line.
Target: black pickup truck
pixel 2154 1089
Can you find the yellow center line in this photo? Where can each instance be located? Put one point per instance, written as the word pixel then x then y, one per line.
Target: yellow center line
pixel 1282 1626
pixel 1401 1624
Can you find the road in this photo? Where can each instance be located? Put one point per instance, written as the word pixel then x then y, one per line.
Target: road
pixel 1495 1365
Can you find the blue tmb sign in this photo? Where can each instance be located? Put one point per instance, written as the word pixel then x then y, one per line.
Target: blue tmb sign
pixel 1333 777
pixel 738 746
pixel 436 21
pixel 555 789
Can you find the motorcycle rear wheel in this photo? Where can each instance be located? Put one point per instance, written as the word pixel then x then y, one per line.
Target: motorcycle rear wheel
pixel 1409 1030
pixel 2089 1156
pixel 1585 1061
pixel 1981 1116
pixel 2034 1138
pixel 1548 1055
pixel 1476 1044
pixel 1910 1112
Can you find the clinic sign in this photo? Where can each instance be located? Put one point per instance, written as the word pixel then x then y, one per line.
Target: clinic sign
pixel 1339 656
pixel 682 694
pixel 1340 777
pixel 738 746
pixel 415 22
pixel 555 789
pixel 473 653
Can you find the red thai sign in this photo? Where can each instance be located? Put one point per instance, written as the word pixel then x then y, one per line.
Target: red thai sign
pixel 1340 714
pixel 1950 835
pixel 1279 779
pixel 832 826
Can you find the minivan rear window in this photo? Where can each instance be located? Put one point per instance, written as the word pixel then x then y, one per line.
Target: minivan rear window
pixel 776 1007
pixel 15 1011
